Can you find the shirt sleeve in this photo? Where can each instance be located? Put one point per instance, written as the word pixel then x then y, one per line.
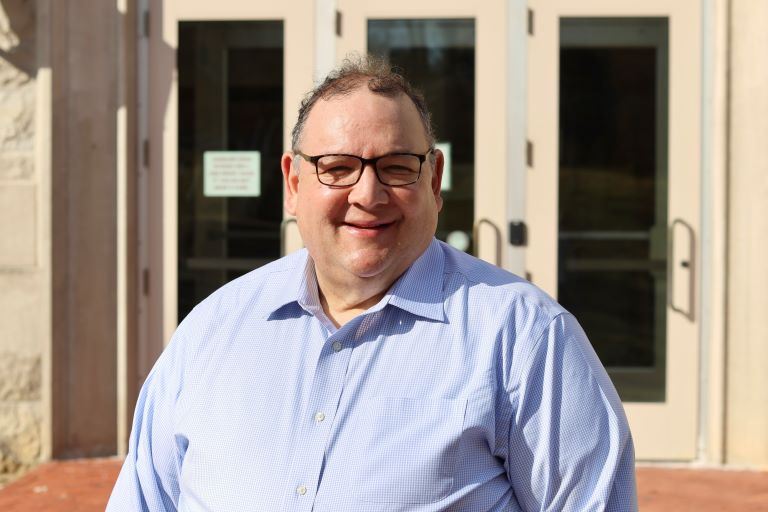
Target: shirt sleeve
pixel 570 448
pixel 149 478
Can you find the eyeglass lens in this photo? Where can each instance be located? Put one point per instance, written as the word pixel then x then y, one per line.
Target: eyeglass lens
pixel 342 170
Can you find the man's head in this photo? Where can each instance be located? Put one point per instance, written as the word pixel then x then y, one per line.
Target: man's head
pixel 369 233
pixel 375 74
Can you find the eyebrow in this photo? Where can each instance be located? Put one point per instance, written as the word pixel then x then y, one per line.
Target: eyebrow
pixel 345 152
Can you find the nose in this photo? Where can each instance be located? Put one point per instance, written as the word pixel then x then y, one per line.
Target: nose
pixel 368 191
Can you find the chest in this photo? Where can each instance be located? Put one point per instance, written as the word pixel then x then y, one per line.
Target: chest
pixel 385 412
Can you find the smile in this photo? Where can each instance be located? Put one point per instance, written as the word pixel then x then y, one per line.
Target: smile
pixel 378 225
pixel 367 228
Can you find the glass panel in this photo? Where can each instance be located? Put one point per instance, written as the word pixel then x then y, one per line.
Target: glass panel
pixel 230 78
pixel 438 57
pixel 613 194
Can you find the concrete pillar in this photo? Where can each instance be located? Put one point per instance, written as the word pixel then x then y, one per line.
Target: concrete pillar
pixel 84 64
pixel 747 332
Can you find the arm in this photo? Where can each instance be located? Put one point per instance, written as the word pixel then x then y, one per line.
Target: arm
pixel 570 448
pixel 149 479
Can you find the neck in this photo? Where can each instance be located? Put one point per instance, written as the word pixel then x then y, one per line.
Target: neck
pixel 341 303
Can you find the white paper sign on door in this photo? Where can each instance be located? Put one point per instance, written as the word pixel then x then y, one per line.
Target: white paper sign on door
pixel 232 173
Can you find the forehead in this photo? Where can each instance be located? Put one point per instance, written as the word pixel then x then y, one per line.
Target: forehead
pixel 362 120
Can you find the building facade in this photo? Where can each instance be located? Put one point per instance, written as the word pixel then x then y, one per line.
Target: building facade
pixel 611 152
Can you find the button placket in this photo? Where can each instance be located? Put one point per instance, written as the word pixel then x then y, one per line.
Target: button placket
pixel 326 389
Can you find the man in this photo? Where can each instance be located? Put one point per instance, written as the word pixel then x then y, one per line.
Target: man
pixel 379 369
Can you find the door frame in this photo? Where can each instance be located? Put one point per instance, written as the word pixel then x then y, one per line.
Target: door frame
pixel 499 109
pixel 666 430
pixel 510 68
pixel 158 118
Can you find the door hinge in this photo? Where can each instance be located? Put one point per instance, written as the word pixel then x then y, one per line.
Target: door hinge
pixel 338 23
pixel 145 281
pixel 145 24
pixel 145 153
pixel 530 22
pixel 529 153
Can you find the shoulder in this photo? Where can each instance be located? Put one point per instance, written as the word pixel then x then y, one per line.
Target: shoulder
pixel 273 275
pixel 257 290
pixel 208 331
pixel 488 286
pixel 245 299
pixel 507 314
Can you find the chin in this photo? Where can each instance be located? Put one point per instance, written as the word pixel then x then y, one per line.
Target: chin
pixel 369 265
pixel 368 271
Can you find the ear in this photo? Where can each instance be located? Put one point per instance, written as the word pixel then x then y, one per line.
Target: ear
pixel 437 178
pixel 290 182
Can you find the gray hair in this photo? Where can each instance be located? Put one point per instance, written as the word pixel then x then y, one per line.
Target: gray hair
pixel 355 71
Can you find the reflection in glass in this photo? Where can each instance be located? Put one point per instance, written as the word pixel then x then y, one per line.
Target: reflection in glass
pixel 613 194
pixel 230 77
pixel 438 57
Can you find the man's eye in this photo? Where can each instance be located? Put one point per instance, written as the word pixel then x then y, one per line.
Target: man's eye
pixel 337 165
pixel 339 169
pixel 398 170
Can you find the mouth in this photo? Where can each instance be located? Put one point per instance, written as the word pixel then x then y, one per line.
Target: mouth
pixel 367 228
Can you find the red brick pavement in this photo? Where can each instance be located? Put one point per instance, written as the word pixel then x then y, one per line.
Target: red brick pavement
pixel 62 486
pixel 84 486
pixel 700 490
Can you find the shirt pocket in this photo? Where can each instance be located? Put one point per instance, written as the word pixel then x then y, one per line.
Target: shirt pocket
pixel 404 450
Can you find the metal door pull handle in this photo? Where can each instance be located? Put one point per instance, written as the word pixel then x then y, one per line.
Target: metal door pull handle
pixel 497 239
pixel 688 264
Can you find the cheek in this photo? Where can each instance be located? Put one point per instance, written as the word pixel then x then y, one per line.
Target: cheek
pixel 325 204
pixel 319 209
pixel 314 201
pixel 425 205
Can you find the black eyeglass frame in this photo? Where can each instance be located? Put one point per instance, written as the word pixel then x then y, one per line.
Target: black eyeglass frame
pixel 363 162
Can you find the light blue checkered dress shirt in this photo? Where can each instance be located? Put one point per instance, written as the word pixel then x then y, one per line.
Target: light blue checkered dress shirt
pixel 465 389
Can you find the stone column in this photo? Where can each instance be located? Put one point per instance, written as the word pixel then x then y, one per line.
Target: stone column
pixel 24 270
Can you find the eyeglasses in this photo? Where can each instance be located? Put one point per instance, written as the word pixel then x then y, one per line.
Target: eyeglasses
pixel 393 170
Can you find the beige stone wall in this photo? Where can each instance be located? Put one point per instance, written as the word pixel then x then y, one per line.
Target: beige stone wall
pixel 22 275
pixel 747 345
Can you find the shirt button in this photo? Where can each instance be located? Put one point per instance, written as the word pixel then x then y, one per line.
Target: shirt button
pixel 319 417
pixel 336 346
pixel 301 490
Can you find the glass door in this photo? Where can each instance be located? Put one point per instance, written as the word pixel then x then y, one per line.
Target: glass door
pixel 612 204
pixel 224 82
pixel 230 130
pixel 438 56
pixel 435 44
pixel 615 238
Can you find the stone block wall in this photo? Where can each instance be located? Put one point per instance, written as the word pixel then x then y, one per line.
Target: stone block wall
pixel 23 289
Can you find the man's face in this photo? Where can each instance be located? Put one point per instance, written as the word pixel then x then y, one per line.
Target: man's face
pixel 368 230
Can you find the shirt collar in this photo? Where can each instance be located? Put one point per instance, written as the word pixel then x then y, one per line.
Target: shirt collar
pixel 419 290
pixel 292 282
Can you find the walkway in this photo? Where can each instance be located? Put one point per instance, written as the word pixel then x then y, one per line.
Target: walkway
pixel 84 486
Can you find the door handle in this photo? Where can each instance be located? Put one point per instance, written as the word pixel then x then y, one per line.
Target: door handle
pixel 686 263
pixel 283 228
pixel 497 239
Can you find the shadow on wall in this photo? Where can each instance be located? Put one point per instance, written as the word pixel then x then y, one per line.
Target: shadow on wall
pixel 17 35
